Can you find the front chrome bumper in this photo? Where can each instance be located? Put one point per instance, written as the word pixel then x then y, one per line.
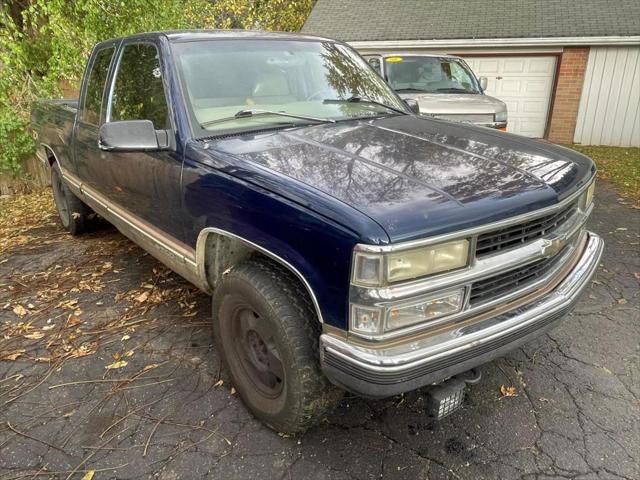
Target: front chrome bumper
pixel 413 363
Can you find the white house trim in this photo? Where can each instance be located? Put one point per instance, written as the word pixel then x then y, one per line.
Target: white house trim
pixel 499 42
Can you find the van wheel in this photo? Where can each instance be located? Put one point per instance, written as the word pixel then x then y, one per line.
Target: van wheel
pixel 72 211
pixel 267 333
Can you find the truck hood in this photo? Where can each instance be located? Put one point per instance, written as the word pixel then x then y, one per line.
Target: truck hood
pixel 456 104
pixel 415 176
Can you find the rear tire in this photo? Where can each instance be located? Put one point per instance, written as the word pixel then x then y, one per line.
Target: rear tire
pixel 267 333
pixel 72 211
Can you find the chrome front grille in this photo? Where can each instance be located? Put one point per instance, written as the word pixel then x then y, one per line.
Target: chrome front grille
pixel 504 283
pixel 517 235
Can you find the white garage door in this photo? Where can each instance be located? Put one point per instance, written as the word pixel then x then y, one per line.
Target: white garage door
pixel 524 84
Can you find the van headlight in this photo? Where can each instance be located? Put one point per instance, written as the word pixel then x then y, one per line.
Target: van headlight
pixel 500 116
pixel 379 269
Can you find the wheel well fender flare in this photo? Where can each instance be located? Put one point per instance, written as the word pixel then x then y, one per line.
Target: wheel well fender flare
pixel 217 250
pixel 50 155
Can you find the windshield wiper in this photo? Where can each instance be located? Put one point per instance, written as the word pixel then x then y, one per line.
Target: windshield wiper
pixel 356 99
pixel 260 113
pixel 412 90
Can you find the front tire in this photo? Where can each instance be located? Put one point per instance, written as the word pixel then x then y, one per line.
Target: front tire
pixel 267 333
pixel 72 211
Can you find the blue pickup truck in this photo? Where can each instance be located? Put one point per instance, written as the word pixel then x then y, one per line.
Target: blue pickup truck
pixel 348 243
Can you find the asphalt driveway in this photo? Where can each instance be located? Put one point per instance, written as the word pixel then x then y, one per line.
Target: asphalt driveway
pixel 107 370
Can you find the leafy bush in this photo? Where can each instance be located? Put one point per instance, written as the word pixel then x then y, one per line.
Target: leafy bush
pixel 44 43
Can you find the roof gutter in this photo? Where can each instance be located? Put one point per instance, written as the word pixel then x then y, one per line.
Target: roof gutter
pixel 500 42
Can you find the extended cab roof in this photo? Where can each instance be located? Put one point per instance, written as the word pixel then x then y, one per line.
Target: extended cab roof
pixel 194 35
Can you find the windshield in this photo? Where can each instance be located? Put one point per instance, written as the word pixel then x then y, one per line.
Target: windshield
pixel 429 74
pixel 225 78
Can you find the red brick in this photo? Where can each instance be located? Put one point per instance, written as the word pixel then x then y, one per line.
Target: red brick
pixel 567 95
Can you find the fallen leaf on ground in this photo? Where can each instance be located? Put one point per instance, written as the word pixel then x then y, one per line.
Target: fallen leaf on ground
pixel 218 383
pixel 142 297
pixel 34 335
pixel 12 355
pixel 508 391
pixel 72 321
pixel 622 301
pixel 82 351
pixel 89 475
pixel 120 364
pixel 20 311
pixel 69 304
pixel 150 367
pixel 124 338
pixel 233 391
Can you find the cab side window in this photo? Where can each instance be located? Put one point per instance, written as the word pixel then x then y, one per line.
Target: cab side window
pixel 91 112
pixel 138 92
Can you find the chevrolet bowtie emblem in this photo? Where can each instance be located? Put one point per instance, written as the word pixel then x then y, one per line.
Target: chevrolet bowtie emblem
pixel 550 247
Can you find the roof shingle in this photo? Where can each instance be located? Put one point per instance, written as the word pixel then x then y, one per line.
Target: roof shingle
pixel 352 20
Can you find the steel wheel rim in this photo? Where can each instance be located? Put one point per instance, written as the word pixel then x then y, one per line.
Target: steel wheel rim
pixel 254 344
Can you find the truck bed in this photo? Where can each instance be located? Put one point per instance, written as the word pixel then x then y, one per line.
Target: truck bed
pixel 52 121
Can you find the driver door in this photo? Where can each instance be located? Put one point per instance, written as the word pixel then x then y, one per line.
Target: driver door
pixel 146 185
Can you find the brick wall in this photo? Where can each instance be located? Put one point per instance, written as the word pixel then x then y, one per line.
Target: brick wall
pixel 567 94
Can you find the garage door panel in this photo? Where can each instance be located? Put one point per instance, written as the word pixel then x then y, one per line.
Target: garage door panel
pixel 513 106
pixel 537 87
pixel 507 87
pixel 524 83
pixel 488 66
pixel 529 126
pixel 543 66
pixel 609 111
pixel 514 66
pixel 533 107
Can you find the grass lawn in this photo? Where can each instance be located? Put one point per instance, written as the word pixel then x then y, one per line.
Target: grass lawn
pixel 618 165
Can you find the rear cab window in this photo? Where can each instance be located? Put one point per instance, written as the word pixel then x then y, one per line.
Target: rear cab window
pixel 138 91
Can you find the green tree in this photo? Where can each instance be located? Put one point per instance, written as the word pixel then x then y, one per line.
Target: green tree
pixel 44 44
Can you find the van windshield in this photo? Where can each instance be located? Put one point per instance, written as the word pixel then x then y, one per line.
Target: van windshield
pixel 408 74
pixel 223 80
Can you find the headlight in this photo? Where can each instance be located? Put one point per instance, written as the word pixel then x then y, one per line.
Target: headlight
pixel 366 320
pixel 589 196
pixel 424 310
pixel 378 320
pixel 586 199
pixel 382 269
pixel 500 116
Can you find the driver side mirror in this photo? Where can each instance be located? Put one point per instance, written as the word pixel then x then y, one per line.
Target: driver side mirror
pixel 132 136
pixel 413 105
pixel 483 83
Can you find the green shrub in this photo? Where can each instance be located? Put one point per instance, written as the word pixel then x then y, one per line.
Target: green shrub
pixel 46 42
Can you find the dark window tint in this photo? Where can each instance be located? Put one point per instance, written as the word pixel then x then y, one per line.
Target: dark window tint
pixel 138 92
pixel 95 86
